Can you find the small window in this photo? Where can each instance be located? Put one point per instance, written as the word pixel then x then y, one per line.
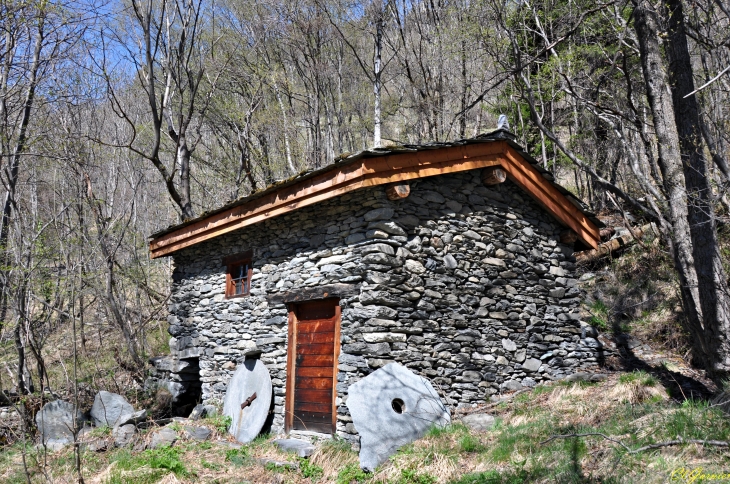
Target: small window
pixel 238 274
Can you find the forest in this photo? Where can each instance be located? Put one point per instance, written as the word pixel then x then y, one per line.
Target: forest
pixel 119 118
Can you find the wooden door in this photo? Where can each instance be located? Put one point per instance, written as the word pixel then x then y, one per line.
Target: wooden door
pixel 314 346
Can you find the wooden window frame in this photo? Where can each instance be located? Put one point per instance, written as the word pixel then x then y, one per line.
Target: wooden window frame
pixel 232 262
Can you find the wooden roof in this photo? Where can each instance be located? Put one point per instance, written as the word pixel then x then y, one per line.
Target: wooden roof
pixel 383 166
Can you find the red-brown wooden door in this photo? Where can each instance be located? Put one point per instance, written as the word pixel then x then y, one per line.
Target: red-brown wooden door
pixel 314 343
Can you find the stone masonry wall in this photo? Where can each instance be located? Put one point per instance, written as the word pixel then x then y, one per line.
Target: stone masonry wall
pixel 463 284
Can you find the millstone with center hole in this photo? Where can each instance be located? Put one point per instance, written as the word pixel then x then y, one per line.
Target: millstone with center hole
pixel 390 408
pixel 251 377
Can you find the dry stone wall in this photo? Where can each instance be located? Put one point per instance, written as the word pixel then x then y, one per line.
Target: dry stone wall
pixel 466 285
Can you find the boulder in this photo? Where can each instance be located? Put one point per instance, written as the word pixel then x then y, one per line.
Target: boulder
pixel 55 423
pixel 165 437
pixel 252 377
pixel 299 447
pixel 390 408
pixel 108 407
pixel 479 422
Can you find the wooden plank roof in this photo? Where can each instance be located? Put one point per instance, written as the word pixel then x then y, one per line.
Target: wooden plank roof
pixel 383 166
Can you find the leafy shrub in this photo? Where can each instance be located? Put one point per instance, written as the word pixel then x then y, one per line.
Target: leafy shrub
pixel 310 470
pixel 352 473
pixel 238 457
pixel 220 422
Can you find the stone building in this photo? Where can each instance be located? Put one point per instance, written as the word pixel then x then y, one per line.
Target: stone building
pixel 454 260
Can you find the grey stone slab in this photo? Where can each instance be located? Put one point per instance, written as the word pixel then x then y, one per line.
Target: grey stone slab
pixel 55 422
pixel 132 418
pixel 479 422
pixel 390 408
pixel 108 407
pixel 251 377
pixel 300 447
pixel 197 433
pixel 163 437
pixel 123 434
pixel 198 412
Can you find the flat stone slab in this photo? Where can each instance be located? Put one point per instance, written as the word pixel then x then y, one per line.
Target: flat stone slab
pixel 123 434
pixel 132 418
pixel 163 437
pixel 300 447
pixel 251 377
pixel 479 422
pixel 197 433
pixel 55 422
pixel 108 407
pixel 392 407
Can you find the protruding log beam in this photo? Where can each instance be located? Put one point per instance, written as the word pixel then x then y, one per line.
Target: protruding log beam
pixel 568 237
pixel 607 233
pixel 398 191
pixel 614 245
pixel 494 175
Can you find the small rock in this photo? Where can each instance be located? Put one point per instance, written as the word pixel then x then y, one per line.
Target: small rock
pixel 509 345
pixel 198 412
pixel 450 262
pixel 163 437
pixel 299 447
pixel 531 364
pixel 123 435
pixel 512 385
pixel 197 433
pixel 479 422
pixel 132 418
pixel 494 262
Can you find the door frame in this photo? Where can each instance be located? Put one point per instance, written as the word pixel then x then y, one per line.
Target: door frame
pixel 291 359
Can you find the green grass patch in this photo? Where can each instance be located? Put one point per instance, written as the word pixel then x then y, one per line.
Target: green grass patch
pixel 220 422
pixel 310 470
pixel 352 473
pixel 238 457
pixel 147 467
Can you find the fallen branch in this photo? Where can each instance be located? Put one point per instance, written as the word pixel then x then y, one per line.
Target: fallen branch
pixel 613 245
pixel 680 440
pixel 659 445
pixel 590 434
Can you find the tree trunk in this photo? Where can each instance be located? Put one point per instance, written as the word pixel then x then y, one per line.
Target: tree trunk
pixel 675 185
pixel 711 277
pixel 377 73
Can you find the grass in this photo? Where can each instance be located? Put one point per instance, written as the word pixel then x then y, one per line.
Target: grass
pixel 632 408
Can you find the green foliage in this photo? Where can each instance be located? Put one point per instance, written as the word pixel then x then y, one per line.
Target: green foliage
pixel 599 316
pixel 220 422
pixel 238 457
pixel 147 467
pixel 352 473
pixel 411 476
pixel 469 443
pixel 310 470
pixel 638 376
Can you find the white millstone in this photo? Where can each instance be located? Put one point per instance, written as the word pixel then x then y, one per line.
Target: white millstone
pixel 374 403
pixel 251 377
